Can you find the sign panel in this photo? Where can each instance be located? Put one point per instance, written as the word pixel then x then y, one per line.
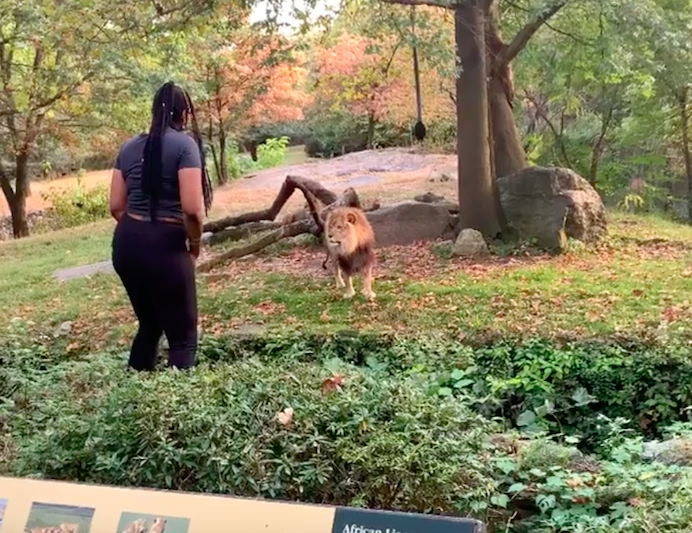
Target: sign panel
pixel 43 506
pixel 348 520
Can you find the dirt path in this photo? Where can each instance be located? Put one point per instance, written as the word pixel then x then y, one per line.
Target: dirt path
pixel 35 202
pixel 385 175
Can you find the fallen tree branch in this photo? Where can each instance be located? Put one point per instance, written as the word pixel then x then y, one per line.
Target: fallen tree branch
pixel 320 201
pixel 291 230
pixel 237 233
pixel 306 186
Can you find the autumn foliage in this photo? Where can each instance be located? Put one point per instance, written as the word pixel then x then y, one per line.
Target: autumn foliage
pixel 373 79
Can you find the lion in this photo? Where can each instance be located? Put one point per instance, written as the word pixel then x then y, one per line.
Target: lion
pixel 138 526
pixel 62 528
pixel 158 526
pixel 350 242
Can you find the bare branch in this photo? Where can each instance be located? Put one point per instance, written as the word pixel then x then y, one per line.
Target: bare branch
pixel 292 230
pixel 450 4
pixel 521 39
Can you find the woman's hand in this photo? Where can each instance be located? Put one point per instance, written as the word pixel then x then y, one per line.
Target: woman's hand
pixel 193 248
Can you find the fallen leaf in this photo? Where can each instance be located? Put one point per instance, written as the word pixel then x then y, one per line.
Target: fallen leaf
pixel 285 417
pixel 333 383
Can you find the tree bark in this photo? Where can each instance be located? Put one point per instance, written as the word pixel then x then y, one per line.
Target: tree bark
pixel 477 200
pixel 686 153
pixel 599 147
pixel 508 152
pixel 223 157
pixel 292 230
pixel 16 198
pixel 371 131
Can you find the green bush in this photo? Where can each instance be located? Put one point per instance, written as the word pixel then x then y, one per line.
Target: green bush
pixel 395 433
pixel 272 153
pixel 380 441
pixel 78 205
pixel 555 489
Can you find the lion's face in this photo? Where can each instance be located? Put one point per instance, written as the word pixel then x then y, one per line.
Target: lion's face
pixel 341 232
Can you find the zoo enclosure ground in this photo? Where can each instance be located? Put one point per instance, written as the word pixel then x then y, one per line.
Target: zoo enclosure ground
pixel 376 173
pixel 633 286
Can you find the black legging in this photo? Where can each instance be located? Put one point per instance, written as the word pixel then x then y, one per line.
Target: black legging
pixel 159 276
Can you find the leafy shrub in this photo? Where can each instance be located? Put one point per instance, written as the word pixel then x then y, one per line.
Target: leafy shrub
pixel 78 205
pixel 272 152
pixel 215 429
pixel 565 491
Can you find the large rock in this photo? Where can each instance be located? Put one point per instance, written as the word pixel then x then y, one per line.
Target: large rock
pixel 550 204
pixel 409 222
pixel 470 243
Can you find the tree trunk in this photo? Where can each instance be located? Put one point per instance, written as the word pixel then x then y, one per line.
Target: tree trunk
pixel 687 155
pixel 16 199
pixel 599 147
pixel 223 158
pixel 217 165
pixel 371 131
pixel 477 200
pixel 508 152
pixel 507 147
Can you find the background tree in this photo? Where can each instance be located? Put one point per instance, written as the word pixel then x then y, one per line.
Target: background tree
pixel 245 79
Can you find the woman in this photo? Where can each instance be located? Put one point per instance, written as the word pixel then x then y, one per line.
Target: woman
pixel 160 193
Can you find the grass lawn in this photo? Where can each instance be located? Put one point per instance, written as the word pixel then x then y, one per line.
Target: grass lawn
pixel 363 414
pixel 636 284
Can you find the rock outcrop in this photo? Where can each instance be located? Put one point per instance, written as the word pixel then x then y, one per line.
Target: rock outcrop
pixel 550 204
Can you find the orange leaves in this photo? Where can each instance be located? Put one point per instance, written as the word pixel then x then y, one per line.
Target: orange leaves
pixel 251 82
pixel 333 384
pixel 329 385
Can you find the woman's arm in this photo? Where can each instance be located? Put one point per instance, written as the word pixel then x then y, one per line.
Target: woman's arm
pixel 191 198
pixel 118 195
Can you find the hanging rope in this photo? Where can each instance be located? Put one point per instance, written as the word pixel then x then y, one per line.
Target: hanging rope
pixel 418 128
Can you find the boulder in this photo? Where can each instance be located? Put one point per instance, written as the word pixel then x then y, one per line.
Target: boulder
pixel 550 204
pixel 429 198
pixel 676 451
pixel 409 222
pixel 470 243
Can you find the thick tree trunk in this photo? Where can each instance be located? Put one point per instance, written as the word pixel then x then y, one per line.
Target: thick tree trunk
pixel 508 152
pixel 16 198
pixel 507 147
pixel 686 153
pixel 477 195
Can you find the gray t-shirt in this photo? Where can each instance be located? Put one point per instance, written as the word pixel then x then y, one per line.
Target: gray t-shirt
pixel 178 150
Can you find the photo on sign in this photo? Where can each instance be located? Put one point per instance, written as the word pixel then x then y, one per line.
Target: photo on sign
pixel 3 506
pixel 151 523
pixel 54 518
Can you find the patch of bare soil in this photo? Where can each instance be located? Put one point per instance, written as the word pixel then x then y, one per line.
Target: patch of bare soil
pixel 386 175
pixel 35 202
pixel 416 262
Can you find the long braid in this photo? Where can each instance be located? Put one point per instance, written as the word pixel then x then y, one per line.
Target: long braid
pixel 207 189
pixel 162 114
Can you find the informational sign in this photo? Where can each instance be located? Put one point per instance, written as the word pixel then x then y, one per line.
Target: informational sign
pixel 41 506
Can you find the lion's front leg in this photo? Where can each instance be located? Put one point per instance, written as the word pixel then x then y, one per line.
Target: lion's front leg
pixel 350 291
pixel 339 278
pixel 367 284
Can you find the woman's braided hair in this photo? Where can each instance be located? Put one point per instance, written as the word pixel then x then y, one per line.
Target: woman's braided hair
pixel 170 104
